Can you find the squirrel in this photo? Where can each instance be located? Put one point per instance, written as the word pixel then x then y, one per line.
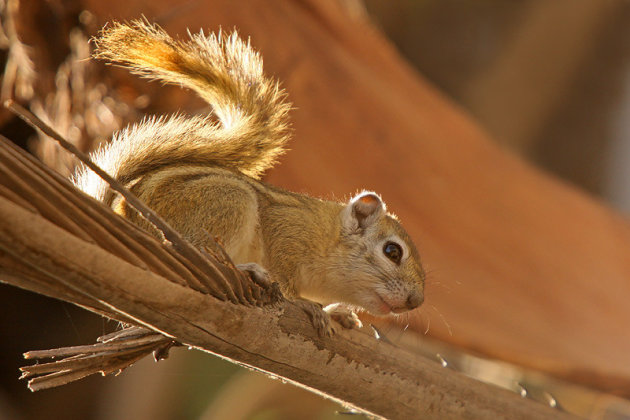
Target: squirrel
pixel 202 173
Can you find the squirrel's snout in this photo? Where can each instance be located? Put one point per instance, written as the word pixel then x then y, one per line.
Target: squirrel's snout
pixel 414 300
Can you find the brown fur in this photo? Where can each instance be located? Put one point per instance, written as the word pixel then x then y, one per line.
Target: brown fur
pixel 203 176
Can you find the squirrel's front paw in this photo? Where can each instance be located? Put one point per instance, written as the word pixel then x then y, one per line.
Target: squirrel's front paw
pixel 343 315
pixel 319 318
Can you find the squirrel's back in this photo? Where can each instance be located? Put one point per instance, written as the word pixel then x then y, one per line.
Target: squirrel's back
pixel 198 176
pixel 251 109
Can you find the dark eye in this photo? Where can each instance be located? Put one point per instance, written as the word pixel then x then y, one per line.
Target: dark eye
pixel 393 251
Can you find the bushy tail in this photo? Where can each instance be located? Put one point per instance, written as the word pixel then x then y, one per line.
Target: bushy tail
pixel 252 110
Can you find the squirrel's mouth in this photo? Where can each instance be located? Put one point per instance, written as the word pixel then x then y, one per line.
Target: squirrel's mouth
pixel 385 308
pixel 400 310
pixel 380 307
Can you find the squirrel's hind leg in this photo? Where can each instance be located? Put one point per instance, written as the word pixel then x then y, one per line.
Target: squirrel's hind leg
pixel 258 274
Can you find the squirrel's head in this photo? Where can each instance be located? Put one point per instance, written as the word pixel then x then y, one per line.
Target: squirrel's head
pixel 378 266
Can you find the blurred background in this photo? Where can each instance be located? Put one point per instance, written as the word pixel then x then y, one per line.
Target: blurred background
pixel 549 80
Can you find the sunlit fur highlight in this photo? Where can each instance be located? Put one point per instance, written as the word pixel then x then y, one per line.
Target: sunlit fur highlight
pixel 252 111
pixel 201 174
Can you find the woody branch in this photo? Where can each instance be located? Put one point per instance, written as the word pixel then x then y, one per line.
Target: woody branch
pixel 56 241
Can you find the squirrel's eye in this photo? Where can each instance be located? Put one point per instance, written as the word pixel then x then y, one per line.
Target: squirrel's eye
pixel 393 251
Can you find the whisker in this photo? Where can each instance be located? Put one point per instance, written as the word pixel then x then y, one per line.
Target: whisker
pixel 421 322
pixel 448 326
pixel 431 281
pixel 440 284
pixel 407 321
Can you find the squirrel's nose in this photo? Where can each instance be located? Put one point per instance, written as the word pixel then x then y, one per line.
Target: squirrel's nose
pixel 414 300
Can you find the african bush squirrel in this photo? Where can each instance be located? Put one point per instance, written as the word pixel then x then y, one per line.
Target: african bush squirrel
pixel 202 173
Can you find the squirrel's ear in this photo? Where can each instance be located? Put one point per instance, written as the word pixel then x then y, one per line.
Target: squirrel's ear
pixel 363 210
